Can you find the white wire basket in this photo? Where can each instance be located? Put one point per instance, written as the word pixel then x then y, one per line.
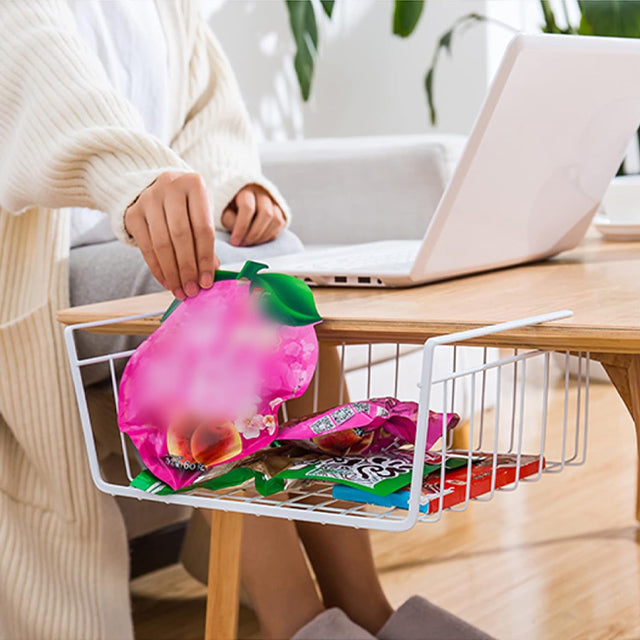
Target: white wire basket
pixel 512 403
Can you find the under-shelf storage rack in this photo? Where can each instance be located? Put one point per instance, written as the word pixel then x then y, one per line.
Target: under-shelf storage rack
pixel 503 397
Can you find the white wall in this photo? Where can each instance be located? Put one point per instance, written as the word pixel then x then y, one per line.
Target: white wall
pixel 367 80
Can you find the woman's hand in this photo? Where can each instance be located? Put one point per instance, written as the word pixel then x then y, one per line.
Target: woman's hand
pixel 253 217
pixel 172 225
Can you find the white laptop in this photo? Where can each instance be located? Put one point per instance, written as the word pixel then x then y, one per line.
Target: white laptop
pixel 552 133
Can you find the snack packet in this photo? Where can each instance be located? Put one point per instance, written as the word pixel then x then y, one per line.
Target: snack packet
pixel 369 426
pixel 481 479
pixel 378 473
pixel 277 469
pixel 205 388
pixel 260 469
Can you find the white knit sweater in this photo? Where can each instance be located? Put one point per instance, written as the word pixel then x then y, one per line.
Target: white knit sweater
pixel 67 139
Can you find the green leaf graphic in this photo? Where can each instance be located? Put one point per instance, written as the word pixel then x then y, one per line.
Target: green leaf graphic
pixel 170 309
pixel 288 299
pixel 250 269
pixel 225 275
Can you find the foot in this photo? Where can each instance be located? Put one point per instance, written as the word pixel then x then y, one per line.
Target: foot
pixel 335 624
pixel 418 619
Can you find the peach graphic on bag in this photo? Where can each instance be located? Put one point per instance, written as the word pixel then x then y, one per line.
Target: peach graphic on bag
pixel 205 388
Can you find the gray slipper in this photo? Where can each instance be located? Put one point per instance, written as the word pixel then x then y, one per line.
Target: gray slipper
pixel 332 624
pixel 418 619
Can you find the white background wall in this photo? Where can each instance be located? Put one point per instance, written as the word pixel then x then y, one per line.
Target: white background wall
pixel 367 80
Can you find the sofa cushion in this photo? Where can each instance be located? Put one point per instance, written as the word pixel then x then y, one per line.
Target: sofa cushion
pixel 346 190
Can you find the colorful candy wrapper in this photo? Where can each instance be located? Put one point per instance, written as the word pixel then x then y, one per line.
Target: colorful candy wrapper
pixel 379 473
pixel 369 426
pixel 289 467
pixel 205 388
pixel 260 469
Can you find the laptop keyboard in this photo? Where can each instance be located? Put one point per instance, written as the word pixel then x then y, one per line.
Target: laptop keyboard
pixel 379 257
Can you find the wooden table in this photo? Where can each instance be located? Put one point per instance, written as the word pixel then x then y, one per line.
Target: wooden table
pixel 599 281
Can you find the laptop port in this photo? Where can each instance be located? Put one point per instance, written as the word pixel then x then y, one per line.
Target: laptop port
pixel 364 280
pixel 340 279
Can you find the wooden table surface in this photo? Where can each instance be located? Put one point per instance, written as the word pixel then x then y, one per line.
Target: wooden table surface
pixel 599 281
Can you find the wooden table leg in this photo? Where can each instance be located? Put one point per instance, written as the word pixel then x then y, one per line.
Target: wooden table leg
pixel 624 372
pixel 223 591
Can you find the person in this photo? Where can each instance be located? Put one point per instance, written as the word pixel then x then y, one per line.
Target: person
pixel 168 154
pixel 128 164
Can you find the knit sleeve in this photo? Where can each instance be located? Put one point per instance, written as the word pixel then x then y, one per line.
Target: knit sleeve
pixel 216 138
pixel 66 137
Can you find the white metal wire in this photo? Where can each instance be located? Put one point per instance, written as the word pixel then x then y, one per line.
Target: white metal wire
pixel 495 384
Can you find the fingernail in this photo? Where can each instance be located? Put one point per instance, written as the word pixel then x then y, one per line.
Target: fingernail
pixel 206 280
pixel 191 289
pixel 179 293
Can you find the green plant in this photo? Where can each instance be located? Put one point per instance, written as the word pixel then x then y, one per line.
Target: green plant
pixel 617 18
pixel 304 28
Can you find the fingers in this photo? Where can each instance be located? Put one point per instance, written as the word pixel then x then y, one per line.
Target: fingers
pixel 258 218
pixel 262 221
pixel 246 203
pixel 161 242
pixel 277 224
pixel 137 227
pixel 202 227
pixel 176 212
pixel 228 219
pixel 171 223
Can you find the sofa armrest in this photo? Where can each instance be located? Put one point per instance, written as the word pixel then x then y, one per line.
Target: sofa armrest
pixel 346 190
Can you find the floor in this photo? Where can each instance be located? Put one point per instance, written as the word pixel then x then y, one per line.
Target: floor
pixel 558 559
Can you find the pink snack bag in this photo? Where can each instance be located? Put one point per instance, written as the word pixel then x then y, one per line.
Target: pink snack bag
pixel 368 426
pixel 205 388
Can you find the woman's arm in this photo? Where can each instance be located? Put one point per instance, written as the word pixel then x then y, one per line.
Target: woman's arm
pixel 68 139
pixel 217 140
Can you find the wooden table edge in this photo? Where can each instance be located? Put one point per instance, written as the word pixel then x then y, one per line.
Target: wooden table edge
pixel 550 336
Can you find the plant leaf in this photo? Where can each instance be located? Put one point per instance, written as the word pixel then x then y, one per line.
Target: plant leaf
pixel 302 20
pixel 406 15
pixel 328 6
pixel 288 299
pixel 550 24
pixel 617 18
pixel 444 43
pixel 428 87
